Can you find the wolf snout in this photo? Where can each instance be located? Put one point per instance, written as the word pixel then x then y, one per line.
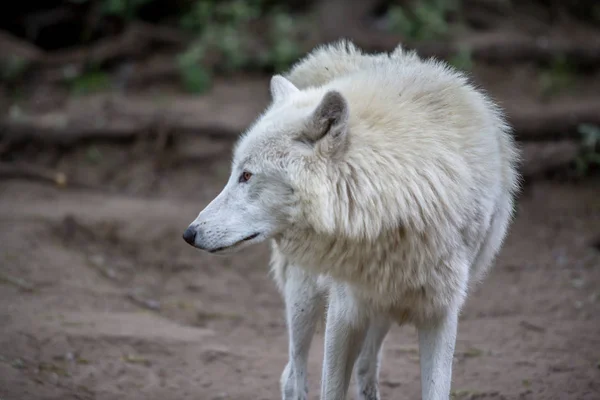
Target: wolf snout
pixel 190 235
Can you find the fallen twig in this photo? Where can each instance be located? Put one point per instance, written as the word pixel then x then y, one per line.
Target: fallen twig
pixel 495 46
pixel 540 159
pixel 20 170
pixel 18 282
pixel 554 121
pixel 117 118
pixel 531 327
pixel 502 47
pixel 12 46
pixel 150 304
pixel 134 42
pixel 133 359
pixel 23 170
pixel 99 264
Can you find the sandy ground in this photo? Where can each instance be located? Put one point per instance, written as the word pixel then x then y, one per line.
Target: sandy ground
pixel 102 299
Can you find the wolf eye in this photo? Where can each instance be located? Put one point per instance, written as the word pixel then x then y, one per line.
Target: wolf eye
pixel 245 176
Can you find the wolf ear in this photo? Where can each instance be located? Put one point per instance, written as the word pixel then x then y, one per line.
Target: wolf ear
pixel 329 123
pixel 281 88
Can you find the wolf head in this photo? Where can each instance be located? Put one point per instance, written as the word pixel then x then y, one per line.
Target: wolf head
pixel 276 169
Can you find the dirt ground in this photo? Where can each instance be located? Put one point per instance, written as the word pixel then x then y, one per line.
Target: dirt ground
pixel 102 299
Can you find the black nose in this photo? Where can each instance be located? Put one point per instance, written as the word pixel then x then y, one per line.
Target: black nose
pixel 190 235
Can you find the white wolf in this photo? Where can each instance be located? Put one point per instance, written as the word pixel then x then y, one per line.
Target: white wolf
pixel 385 183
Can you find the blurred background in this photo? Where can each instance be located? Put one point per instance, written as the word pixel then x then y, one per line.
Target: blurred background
pixel 117 120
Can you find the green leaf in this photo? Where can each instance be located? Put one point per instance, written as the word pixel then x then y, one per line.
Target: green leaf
pixel 196 79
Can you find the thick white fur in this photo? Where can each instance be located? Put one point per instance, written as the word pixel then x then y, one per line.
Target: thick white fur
pixel 387 184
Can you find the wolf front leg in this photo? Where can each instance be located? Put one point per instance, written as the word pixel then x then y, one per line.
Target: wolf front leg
pixel 304 303
pixel 346 329
pixel 367 365
pixel 436 348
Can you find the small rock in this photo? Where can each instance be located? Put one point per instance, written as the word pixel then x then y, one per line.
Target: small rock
pixel 577 283
pixel 97 260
